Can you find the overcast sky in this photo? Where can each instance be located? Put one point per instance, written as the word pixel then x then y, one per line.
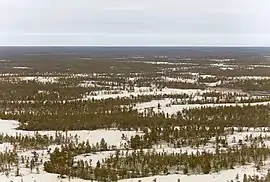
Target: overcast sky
pixel 135 22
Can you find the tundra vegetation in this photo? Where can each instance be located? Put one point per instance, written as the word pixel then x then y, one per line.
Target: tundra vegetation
pixel 153 116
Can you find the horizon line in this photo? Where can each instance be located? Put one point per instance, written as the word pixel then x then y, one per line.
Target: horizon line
pixel 134 46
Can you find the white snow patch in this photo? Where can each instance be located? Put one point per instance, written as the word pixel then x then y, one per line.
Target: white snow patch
pixel 251 78
pixel 4 60
pixel 112 137
pixel 223 176
pixel 174 109
pixel 179 79
pixel 227 68
pixel 40 79
pixel 213 84
pixel 43 176
pixel 207 76
pixel 143 91
pixel 6 147
pixel 21 67
pixel 167 63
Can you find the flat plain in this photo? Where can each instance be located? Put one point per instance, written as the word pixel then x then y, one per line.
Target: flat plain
pixel 163 114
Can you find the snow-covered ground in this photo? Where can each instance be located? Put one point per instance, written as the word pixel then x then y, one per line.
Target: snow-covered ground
pixel 40 79
pixel 167 108
pixel 250 78
pixel 142 91
pixel 223 66
pixel 179 79
pixel 213 84
pixel 5 147
pixel 261 66
pixel 21 67
pixel 99 156
pixel 34 177
pixel 165 63
pixel 112 137
pixel 88 84
pixel 222 60
pixel 207 76
pixel 210 147
pixel 223 176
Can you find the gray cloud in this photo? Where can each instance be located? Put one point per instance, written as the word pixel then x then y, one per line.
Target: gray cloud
pixel 129 22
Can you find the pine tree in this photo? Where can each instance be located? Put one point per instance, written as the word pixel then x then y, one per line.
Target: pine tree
pixel 185 170
pixel 206 168
pixel 103 145
pixel 98 164
pixel 32 164
pixel 159 106
pixel 267 178
pixel 245 178
pixel 27 163
pixel 237 178
pixel 17 171
pixel 22 159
